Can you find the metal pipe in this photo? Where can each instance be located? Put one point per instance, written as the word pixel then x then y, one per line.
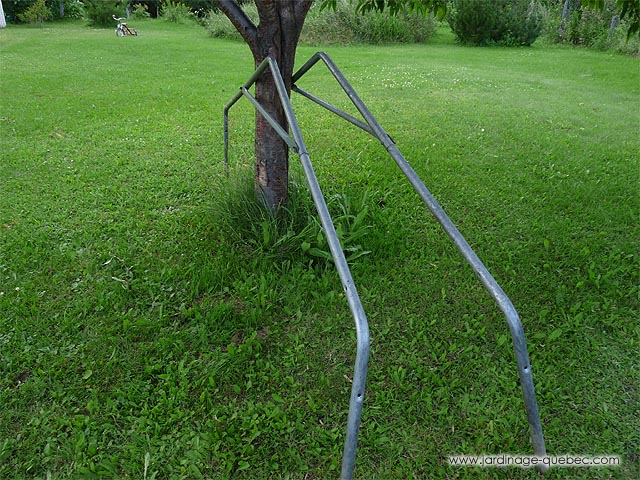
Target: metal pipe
pixel 503 301
pixel 231 103
pixel 270 120
pixel 353 299
pixel 351 293
pixel 225 126
pixel 244 90
pixel 336 110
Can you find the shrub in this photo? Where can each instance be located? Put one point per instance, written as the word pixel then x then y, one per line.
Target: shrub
pixel 326 26
pixel 375 27
pixel 74 9
pixel 176 12
pixel 38 12
pixel 66 8
pixel 140 12
pixel 13 9
pixel 99 12
pixel 496 22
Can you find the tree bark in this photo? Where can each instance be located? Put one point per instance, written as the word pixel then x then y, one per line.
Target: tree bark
pixel 276 35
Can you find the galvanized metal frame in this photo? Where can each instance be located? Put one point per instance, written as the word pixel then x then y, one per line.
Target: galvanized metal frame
pixel 371 126
pixel 353 299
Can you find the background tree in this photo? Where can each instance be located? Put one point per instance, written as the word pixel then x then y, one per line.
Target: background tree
pixel 628 9
pixel 36 13
pixel 566 8
pixel 277 34
pixel 592 23
pixel 496 22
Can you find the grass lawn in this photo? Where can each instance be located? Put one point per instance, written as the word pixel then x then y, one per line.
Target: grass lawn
pixel 150 328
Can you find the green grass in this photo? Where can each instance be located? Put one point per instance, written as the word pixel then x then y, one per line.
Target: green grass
pixel 144 335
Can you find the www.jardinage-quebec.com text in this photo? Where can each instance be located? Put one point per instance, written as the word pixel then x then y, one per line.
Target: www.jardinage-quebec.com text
pixel 528 461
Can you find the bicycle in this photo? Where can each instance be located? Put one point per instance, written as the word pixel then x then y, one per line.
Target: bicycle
pixel 123 29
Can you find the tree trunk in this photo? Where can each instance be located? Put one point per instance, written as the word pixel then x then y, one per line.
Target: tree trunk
pixel 276 35
pixel 615 20
pixel 271 152
pixel 563 19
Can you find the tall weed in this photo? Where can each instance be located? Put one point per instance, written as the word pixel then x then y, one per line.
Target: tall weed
pixel 296 230
pixel 176 12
